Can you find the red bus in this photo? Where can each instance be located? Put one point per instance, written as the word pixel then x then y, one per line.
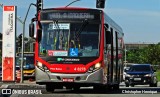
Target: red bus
pixel 77 47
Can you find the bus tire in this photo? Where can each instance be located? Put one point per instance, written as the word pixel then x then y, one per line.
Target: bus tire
pixel 76 88
pixel 127 85
pixel 100 88
pixel 96 88
pixel 116 87
pixel 49 88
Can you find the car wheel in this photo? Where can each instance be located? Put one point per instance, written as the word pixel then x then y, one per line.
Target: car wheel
pixel 151 85
pixel 127 85
pixel 77 88
pixel 132 85
pixel 155 85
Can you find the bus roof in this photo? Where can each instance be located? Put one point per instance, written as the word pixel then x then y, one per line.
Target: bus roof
pixel 69 8
pixel 108 20
pixel 113 24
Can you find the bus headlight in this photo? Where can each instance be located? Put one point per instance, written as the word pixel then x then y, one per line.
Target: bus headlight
pixel 97 65
pixel 94 67
pixel 39 64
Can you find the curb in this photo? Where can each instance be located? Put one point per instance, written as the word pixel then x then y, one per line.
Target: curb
pixel 4 86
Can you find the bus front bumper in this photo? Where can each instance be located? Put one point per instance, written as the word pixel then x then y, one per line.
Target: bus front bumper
pixel 85 78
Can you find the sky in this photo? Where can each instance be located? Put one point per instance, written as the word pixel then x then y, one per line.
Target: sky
pixel 139 19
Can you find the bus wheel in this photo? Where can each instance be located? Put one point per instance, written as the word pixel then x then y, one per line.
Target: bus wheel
pixel 96 88
pixel 68 87
pixel 127 85
pixel 116 87
pixel 76 88
pixel 100 88
pixel 49 88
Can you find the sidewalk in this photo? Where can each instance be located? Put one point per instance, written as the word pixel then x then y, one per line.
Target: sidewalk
pixel 25 84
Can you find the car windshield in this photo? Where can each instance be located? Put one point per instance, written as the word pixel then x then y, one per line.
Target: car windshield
pixel 69 39
pixel 140 68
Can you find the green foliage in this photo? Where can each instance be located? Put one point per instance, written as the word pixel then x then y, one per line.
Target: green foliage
pixel 158 75
pixel 150 55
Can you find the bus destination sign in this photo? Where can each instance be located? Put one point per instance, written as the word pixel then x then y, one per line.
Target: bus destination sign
pixel 69 15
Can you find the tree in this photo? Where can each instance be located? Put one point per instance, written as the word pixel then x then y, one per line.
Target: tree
pixel 149 55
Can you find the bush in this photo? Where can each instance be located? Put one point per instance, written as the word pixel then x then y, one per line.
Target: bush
pixel 158 75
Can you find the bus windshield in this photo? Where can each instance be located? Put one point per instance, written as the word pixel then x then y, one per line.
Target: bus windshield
pixel 28 62
pixel 69 39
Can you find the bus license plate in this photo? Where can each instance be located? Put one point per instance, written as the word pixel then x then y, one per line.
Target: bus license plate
pixel 68 80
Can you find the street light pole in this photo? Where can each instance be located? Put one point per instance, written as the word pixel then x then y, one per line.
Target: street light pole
pixel 72 2
pixel 23 34
pixel 125 55
pixel 1 5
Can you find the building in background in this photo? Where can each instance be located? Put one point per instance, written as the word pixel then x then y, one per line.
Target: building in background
pixel 131 46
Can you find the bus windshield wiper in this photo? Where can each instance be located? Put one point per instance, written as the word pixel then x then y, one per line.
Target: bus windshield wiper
pixel 77 34
pixel 84 24
pixel 56 39
pixel 76 37
pixel 55 22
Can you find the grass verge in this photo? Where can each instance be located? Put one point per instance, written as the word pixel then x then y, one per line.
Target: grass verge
pixel 158 75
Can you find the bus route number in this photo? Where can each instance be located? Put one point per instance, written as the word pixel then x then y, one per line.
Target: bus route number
pixel 81 69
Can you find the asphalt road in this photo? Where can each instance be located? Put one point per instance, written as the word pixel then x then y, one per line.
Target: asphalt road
pixel 139 90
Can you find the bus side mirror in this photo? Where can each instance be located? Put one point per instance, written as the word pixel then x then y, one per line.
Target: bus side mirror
pixel 39 32
pixel 108 37
pixel 31 30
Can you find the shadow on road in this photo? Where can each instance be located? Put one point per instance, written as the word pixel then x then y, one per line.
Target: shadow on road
pixel 124 90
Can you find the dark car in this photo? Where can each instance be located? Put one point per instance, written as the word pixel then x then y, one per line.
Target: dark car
pixel 141 74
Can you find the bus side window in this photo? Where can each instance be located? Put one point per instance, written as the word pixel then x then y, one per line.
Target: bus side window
pixel 107 35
